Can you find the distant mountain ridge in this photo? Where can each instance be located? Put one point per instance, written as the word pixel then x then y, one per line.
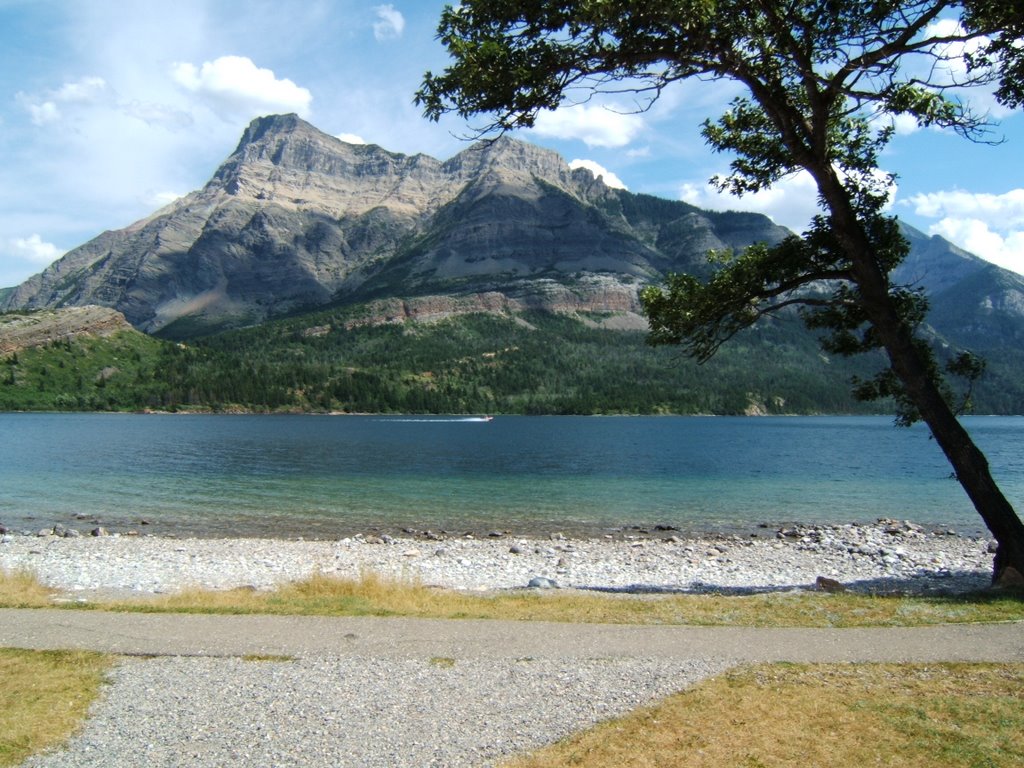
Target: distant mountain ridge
pixel 298 220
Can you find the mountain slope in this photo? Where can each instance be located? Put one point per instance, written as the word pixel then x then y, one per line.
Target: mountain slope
pixel 297 219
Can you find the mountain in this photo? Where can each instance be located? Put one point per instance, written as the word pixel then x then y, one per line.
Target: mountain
pixel 296 219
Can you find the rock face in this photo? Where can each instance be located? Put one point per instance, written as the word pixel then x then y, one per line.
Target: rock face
pixel 19 332
pixel 296 219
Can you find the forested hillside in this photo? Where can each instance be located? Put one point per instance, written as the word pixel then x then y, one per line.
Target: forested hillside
pixel 529 363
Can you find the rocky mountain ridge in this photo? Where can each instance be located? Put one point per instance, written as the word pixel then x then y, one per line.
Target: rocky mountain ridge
pixel 298 219
pixel 18 332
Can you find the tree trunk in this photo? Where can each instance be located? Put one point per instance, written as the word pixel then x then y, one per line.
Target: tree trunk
pixel 969 463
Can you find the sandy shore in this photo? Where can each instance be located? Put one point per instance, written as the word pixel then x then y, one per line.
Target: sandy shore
pixel 885 556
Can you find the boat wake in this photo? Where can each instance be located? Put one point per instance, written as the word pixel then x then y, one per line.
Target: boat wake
pixel 476 419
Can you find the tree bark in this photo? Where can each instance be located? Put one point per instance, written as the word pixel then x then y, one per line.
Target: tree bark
pixel 969 463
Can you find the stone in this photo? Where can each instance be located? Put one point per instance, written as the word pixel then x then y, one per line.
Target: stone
pixel 993 547
pixel 825 584
pixel 1010 578
pixel 411 553
pixel 515 549
pixel 99 531
pixel 542 582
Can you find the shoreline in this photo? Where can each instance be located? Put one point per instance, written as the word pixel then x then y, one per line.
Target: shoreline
pixel 883 557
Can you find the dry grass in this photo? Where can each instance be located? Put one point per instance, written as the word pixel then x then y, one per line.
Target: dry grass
pixel 771 715
pixel 842 716
pixel 22 590
pixel 44 697
pixel 372 595
pixel 375 596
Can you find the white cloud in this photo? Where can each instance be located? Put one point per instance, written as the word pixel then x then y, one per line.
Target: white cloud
pixel 904 125
pixel 595 126
pixel 990 226
pixel 157 114
pixel 391 23
pixel 43 113
pixel 88 89
pixel 234 84
pixel 34 249
pixel 45 109
pixel 791 202
pixel 1005 250
pixel 160 199
pixel 599 171
pixel 1007 208
pixel 350 138
pixel 951 68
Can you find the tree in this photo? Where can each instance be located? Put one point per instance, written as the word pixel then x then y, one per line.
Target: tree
pixel 824 80
pixel 1002 24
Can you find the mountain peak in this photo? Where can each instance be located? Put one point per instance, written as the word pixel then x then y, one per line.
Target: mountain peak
pixel 272 125
pixel 297 218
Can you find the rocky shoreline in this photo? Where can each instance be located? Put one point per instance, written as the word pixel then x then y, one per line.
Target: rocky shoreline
pixel 886 556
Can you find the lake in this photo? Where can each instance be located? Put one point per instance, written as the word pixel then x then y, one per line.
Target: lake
pixel 328 476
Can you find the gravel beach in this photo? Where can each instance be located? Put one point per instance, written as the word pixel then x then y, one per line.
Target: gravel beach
pixel 370 711
pixel 885 556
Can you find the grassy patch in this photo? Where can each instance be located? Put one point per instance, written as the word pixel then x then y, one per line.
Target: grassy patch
pixel 843 716
pixel 21 589
pixel 372 595
pixel 267 657
pixel 44 697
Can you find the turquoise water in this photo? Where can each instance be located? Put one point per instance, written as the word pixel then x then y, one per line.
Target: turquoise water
pixel 324 476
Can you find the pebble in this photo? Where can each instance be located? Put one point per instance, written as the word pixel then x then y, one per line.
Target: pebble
pixel 885 556
pixel 319 712
pixel 352 711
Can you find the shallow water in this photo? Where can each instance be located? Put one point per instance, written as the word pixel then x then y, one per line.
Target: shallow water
pixel 324 476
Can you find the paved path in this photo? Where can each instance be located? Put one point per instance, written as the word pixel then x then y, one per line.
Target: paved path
pixel 408 693
pixel 395 638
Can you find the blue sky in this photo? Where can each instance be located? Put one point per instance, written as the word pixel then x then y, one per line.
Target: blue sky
pixel 110 109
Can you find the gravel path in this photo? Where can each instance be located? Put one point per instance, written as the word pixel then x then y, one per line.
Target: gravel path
pixel 355 711
pixel 368 708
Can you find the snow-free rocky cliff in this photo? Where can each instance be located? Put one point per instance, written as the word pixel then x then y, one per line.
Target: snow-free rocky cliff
pixel 296 219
